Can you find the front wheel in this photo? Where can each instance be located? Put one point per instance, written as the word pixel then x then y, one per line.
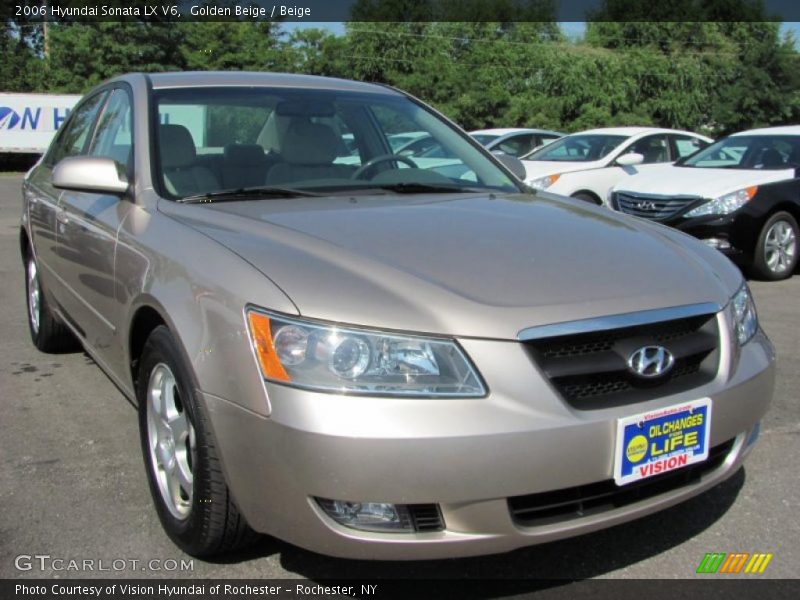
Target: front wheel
pixel 776 250
pixel 183 469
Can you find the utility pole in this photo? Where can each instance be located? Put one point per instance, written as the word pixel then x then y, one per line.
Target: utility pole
pixel 44 33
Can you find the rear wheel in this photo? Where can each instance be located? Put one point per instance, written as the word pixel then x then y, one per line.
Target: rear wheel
pixel 192 499
pixel 48 333
pixel 776 250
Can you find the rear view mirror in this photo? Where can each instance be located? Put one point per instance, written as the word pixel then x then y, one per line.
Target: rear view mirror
pixel 630 159
pixel 89 174
pixel 310 108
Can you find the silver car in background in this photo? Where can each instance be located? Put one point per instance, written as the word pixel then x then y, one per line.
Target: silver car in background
pixel 369 357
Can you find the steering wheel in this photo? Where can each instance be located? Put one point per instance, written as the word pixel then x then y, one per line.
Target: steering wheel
pixel 381 159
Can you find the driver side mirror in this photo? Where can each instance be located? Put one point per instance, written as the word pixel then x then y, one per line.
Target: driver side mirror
pixel 512 163
pixel 90 174
pixel 630 159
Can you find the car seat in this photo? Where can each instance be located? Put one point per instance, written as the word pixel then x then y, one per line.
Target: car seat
pixel 308 151
pixel 182 175
pixel 243 165
pixel 771 158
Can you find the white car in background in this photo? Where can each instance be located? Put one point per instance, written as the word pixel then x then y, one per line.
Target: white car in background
pixel 515 141
pixel 588 164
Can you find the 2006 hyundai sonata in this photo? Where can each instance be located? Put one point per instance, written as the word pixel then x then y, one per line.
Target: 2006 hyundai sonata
pixel 370 357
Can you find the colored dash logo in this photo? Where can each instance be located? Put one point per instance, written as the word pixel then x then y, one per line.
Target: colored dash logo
pixel 8 118
pixel 735 562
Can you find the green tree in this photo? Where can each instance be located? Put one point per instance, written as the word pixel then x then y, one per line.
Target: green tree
pixel 232 45
pixel 21 49
pixel 317 52
pixel 723 74
pixel 83 55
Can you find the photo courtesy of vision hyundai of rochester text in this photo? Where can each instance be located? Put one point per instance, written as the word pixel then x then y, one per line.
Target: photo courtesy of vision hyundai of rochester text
pixel 371 357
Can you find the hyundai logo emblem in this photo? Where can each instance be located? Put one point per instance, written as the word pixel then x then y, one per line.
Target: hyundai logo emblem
pixel 651 361
pixel 646 205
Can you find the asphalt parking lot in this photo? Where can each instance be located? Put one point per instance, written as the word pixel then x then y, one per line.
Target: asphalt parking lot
pixel 72 483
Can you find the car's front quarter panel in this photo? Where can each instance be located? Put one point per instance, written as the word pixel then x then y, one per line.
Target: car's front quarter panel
pixel 200 289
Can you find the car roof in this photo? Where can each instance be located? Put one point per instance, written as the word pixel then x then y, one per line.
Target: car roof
pixel 507 130
pixel 192 79
pixel 631 131
pixel 784 130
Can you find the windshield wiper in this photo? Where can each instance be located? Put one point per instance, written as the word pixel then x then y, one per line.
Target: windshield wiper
pixel 425 188
pixel 254 193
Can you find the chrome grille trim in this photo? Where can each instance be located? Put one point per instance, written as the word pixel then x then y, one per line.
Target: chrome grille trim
pixel 644 317
pixel 651 206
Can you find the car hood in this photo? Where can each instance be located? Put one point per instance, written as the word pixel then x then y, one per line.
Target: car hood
pixel 541 168
pixel 706 183
pixel 465 265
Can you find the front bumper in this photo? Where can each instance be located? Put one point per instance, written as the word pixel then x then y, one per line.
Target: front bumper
pixel 737 231
pixel 467 456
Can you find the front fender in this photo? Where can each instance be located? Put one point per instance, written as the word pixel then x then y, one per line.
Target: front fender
pixel 200 289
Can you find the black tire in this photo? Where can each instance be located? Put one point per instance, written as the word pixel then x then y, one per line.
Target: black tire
pixel 761 265
pixel 49 334
pixel 213 524
pixel 587 198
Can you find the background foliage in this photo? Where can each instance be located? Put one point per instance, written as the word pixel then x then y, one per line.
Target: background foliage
pixel 715 76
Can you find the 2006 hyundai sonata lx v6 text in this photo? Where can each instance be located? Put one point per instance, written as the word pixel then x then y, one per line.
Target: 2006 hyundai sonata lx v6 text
pixel 370 357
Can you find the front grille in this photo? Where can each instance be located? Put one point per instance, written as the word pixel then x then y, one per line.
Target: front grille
pixel 590 370
pixel 652 206
pixel 584 500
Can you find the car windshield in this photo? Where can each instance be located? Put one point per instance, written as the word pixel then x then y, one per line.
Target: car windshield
pixel 213 140
pixel 767 152
pixel 579 148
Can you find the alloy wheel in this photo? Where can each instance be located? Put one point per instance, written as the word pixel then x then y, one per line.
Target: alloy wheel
pixel 171 440
pixel 780 246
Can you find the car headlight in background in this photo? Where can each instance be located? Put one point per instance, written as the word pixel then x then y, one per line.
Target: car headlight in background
pixel 745 319
pixel 724 205
pixel 542 183
pixel 331 358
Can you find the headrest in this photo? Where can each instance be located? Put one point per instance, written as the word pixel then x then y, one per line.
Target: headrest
pixel 176 145
pixel 244 155
pixel 309 143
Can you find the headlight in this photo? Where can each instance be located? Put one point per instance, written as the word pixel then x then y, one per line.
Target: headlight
pixel 544 182
pixel 724 205
pixel 330 358
pixel 745 319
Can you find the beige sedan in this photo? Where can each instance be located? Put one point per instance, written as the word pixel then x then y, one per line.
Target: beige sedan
pixel 369 357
